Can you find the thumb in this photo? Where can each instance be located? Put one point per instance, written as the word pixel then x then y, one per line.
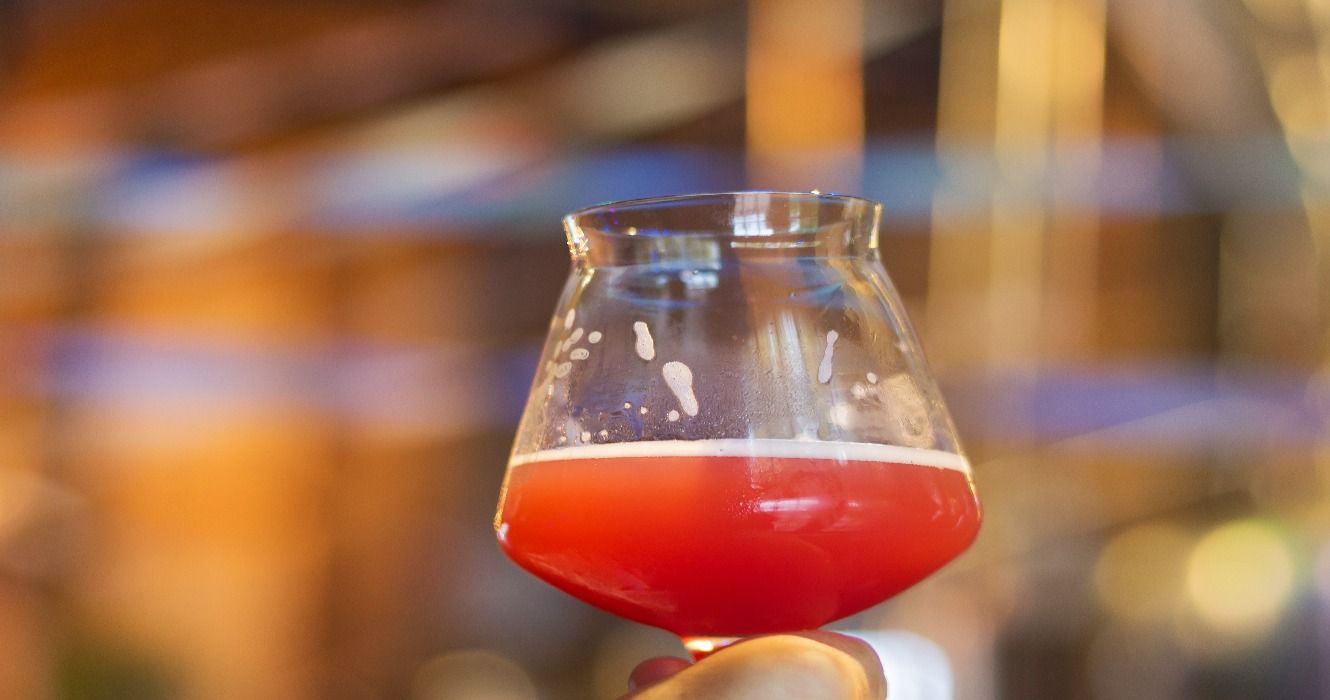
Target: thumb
pixel 807 666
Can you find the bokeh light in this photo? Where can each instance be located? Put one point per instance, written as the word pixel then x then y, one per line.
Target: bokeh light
pixel 1240 577
pixel 1139 574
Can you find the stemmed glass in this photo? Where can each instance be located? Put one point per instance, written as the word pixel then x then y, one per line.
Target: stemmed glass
pixel 732 430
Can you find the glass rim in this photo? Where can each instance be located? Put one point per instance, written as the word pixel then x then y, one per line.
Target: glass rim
pixel 698 197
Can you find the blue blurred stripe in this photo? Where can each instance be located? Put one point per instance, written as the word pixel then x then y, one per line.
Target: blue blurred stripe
pixel 368 193
pixel 364 380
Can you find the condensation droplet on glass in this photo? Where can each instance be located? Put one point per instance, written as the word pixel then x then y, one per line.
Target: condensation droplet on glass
pixel 575 336
pixel 586 436
pixel 593 337
pixel 579 354
pixel 680 380
pixel 568 318
pixel 672 416
pixel 627 405
pixel 563 369
pixel 824 369
pixel 603 434
pixel 642 410
pixel 858 391
pixel 645 344
pixel 872 378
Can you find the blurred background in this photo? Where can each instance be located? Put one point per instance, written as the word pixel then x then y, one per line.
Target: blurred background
pixel 273 276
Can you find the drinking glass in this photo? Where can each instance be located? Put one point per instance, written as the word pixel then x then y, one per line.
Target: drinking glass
pixel 732 429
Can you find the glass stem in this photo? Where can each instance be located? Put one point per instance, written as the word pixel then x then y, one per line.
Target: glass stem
pixel 702 647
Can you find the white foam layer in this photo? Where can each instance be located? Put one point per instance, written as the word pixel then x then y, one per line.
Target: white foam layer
pixel 792 449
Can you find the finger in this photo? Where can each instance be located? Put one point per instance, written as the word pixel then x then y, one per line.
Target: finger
pixel 653 671
pixel 857 648
pixel 778 667
pixel 861 651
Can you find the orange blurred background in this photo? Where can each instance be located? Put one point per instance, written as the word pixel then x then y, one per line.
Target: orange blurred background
pixel 273 276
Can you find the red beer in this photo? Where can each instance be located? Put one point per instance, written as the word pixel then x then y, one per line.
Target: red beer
pixel 736 537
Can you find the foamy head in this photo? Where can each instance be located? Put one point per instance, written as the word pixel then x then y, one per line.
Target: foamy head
pixel 791 449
